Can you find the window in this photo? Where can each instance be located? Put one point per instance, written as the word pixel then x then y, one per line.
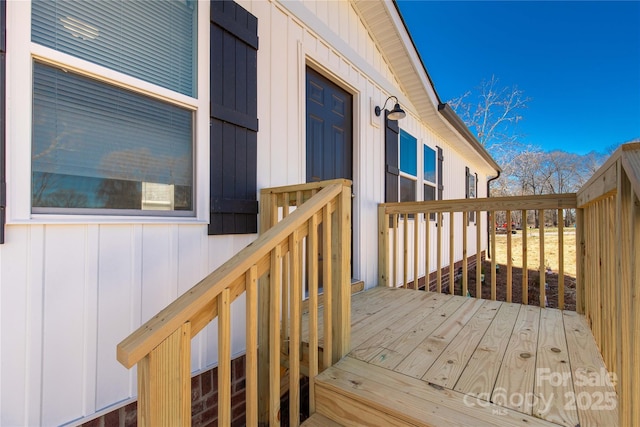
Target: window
pixel 101 147
pixel 429 157
pixel 440 174
pixel 114 143
pixel 151 40
pixel 408 167
pixel 429 176
pixel 471 187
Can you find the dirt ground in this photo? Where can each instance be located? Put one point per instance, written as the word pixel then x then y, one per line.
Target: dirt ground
pixel 533 256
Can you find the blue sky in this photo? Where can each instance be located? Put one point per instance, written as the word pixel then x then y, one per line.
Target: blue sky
pixel 578 61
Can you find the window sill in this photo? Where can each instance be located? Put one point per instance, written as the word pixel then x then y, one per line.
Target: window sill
pixel 42 219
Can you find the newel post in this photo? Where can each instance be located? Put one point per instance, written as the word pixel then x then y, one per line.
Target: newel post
pixel 341 274
pixel 164 382
pixel 383 247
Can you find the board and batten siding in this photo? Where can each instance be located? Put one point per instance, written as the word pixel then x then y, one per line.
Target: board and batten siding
pixel 70 292
pixel 331 38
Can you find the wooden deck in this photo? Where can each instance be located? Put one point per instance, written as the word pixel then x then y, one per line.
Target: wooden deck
pixel 421 358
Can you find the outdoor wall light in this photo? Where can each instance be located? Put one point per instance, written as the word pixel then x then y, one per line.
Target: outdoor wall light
pixel 396 114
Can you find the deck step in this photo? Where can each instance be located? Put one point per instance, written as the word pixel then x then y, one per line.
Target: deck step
pixel 354 392
pixel 319 420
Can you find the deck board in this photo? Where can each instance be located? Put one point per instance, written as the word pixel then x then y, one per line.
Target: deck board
pixel 514 385
pixel 553 372
pixel 415 312
pixel 394 352
pixel 590 381
pixel 449 366
pixel 366 328
pixel 413 401
pixel 479 376
pixel 421 358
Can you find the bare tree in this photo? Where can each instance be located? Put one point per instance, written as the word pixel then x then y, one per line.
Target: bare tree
pixel 493 113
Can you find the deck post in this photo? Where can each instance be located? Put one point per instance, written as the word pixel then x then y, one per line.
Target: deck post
pixel 341 272
pixel 580 265
pixel 383 247
pixel 164 382
pixel 268 203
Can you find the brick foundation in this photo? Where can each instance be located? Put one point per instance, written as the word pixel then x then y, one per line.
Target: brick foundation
pixel 457 267
pixel 204 401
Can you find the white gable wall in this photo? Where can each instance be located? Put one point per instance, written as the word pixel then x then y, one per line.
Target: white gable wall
pixel 72 288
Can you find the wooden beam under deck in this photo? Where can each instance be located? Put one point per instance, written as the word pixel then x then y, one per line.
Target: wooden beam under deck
pixel 425 359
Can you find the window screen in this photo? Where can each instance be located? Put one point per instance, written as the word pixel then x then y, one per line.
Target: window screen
pixel 408 160
pixel 408 167
pixel 101 147
pixel 429 164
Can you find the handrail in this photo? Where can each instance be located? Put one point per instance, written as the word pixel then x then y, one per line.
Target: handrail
pixel 401 236
pixel 161 346
pixel 604 182
pixel 543 201
pixel 610 258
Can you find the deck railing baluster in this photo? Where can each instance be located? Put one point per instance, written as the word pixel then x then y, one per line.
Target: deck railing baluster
pixel 465 222
pixel 478 254
pixel 452 271
pixel 542 270
pixel 313 309
pixel 509 258
pixel 416 226
pixel 251 374
pixel 394 270
pixel 427 250
pixel 525 268
pixel 493 256
pixel 327 286
pixel 405 250
pixel 561 259
pixel 439 224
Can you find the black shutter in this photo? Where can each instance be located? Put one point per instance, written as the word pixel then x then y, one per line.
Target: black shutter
pixel 466 180
pixel 476 181
pixel 392 165
pixel 471 216
pixel 234 119
pixel 3 178
pixel 440 180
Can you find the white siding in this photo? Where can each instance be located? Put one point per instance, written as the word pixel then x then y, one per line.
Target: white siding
pixel 70 293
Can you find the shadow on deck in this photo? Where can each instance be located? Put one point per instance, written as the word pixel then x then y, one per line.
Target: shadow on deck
pixel 421 358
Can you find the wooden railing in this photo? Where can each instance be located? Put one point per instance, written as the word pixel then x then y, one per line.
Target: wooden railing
pixel 328 265
pixel 161 347
pixel 609 266
pixel 414 235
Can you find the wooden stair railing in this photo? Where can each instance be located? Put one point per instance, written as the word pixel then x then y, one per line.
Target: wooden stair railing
pixel 609 253
pixel 161 347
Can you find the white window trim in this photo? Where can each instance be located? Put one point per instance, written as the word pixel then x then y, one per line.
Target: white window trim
pixel 21 53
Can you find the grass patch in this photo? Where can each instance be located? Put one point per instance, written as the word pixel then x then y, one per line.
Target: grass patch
pixel 551 258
